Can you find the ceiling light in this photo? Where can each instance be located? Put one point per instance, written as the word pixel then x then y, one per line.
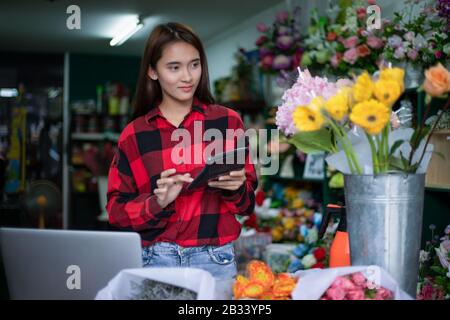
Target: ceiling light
pixel 125 33
pixel 8 92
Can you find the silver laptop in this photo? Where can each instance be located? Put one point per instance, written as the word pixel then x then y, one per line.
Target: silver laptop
pixel 65 264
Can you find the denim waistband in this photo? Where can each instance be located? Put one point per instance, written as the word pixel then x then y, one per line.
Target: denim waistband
pixel 170 246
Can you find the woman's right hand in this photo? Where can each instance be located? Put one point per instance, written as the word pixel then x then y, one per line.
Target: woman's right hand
pixel 169 186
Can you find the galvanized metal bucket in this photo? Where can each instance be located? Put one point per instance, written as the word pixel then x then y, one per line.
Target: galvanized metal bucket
pixel 384 220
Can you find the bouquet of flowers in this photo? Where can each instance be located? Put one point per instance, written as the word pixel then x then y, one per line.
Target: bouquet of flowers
pixel 280 44
pixel 341 43
pixel 420 39
pixel 356 287
pixel 309 256
pixel 323 116
pixel 263 284
pixel 434 270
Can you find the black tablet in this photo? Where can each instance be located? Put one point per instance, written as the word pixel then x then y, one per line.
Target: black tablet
pixel 219 165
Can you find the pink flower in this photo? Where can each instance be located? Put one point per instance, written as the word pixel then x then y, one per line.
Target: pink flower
pixel 355 295
pixel 358 279
pixel 351 55
pixel 281 62
pixel 427 292
pixel 438 54
pixel 282 16
pixel 412 54
pixel 267 61
pixel 351 42
pixel 336 293
pixel 261 40
pixel 263 51
pixel 336 59
pixel 371 2
pixel 383 294
pixel 301 93
pixel 284 42
pixel 283 31
pixel 374 42
pixel 361 13
pixel 344 283
pixel 442 253
pixel 261 27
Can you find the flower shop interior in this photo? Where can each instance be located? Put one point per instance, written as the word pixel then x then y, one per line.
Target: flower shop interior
pixel 352 97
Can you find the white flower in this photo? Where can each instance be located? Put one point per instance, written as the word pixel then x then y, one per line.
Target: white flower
pixel 308 261
pixel 423 256
pixel 448 273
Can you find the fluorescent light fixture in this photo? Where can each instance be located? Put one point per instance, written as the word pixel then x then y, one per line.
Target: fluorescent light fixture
pixel 8 92
pixel 125 33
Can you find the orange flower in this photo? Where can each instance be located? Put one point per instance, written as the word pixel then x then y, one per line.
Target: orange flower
pixel 283 286
pixel 261 272
pixel 437 80
pixel 239 286
pixel 253 290
pixel 268 295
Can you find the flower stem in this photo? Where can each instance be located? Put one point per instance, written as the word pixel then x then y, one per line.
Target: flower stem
pixel 344 145
pixel 374 153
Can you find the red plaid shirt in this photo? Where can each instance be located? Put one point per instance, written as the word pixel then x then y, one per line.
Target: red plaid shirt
pixel 204 216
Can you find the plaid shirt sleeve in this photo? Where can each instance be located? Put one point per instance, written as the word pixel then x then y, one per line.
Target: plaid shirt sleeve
pixel 128 209
pixel 242 200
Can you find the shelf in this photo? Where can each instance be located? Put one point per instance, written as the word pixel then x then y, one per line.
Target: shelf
pixel 96 136
pixel 437 188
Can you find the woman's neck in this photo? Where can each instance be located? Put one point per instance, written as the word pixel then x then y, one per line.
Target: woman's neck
pixel 174 107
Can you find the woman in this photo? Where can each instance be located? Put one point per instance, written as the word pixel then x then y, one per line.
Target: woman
pixel 147 180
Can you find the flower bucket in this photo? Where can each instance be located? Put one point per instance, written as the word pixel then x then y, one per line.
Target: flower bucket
pixel 384 220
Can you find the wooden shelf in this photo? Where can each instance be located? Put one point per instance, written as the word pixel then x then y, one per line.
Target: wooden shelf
pixel 436 188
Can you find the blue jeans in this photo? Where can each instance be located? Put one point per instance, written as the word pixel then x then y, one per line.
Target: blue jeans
pixel 217 260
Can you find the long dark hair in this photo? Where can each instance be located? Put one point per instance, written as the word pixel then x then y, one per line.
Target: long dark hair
pixel 148 91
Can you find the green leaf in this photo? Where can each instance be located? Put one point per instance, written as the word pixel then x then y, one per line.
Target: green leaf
pixel 440 280
pixel 314 141
pixel 370 293
pixel 396 163
pixel 438 270
pixel 337 181
pixel 395 146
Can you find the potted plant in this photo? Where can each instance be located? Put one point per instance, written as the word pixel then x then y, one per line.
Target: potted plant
pixel 384 167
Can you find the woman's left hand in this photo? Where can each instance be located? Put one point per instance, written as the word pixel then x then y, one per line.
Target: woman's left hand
pixel 231 181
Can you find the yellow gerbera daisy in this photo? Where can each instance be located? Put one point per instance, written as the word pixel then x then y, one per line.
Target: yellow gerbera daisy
pixel 363 88
pixel 306 119
pixel 337 105
pixel 387 91
pixel 370 115
pixel 395 74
